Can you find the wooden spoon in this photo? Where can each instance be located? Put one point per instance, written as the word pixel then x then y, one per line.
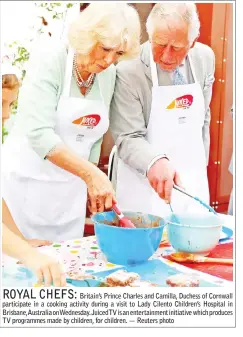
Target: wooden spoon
pixel 187 257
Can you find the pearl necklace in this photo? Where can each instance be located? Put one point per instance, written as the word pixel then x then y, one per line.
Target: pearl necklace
pixel 81 83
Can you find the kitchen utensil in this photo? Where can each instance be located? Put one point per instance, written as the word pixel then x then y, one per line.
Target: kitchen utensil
pixel 123 221
pixel 194 233
pixel 195 198
pixel 128 246
pixel 173 216
pixel 185 257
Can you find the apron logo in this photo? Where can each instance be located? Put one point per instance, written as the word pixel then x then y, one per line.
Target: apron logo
pixel 183 102
pixel 90 121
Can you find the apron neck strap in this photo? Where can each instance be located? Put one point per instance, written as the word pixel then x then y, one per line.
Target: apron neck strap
pixel 153 68
pixel 68 72
pixel 192 67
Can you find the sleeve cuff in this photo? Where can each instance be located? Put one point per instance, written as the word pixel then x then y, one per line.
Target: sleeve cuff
pixel 154 160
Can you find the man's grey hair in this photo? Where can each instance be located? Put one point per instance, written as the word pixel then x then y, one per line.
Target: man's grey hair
pixel 186 11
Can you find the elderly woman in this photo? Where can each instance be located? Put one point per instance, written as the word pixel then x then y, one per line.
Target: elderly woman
pixel 63 114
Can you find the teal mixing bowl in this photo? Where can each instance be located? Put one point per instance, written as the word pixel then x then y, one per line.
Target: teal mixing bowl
pixel 128 246
pixel 195 233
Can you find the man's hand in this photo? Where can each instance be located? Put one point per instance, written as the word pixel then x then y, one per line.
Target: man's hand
pixel 162 176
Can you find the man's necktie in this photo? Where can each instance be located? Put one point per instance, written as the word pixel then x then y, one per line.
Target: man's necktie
pixel 178 78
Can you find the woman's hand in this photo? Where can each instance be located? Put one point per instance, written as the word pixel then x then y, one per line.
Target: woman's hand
pixel 48 270
pixel 100 191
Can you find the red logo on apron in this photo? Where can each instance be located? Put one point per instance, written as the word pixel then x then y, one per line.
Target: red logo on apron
pixel 182 102
pixel 90 121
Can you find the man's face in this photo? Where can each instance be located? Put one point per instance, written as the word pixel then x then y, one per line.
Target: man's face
pixel 170 44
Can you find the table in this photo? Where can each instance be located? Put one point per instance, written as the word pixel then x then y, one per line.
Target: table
pixel 84 255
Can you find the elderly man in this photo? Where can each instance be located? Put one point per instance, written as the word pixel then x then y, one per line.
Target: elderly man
pixel 160 114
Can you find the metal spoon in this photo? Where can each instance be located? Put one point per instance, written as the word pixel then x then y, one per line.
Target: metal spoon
pixel 173 216
pixel 195 198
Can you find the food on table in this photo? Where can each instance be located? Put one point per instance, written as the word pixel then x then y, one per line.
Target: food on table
pixel 183 280
pixel 141 284
pixel 140 221
pixel 121 278
pixel 79 276
pixel 116 224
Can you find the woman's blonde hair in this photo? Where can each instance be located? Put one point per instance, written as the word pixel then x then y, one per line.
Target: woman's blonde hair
pixel 111 24
pixel 10 81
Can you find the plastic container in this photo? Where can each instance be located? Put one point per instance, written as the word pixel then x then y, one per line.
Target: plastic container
pixel 128 246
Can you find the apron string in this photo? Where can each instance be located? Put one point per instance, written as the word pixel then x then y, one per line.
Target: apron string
pixel 153 68
pixel 68 72
pixel 192 68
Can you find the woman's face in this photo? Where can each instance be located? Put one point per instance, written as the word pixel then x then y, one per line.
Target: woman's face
pixel 9 96
pixel 101 57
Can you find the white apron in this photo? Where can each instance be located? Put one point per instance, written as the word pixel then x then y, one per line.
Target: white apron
pixel 46 201
pixel 175 129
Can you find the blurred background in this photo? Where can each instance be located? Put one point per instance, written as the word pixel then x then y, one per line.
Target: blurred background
pixel 23 22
